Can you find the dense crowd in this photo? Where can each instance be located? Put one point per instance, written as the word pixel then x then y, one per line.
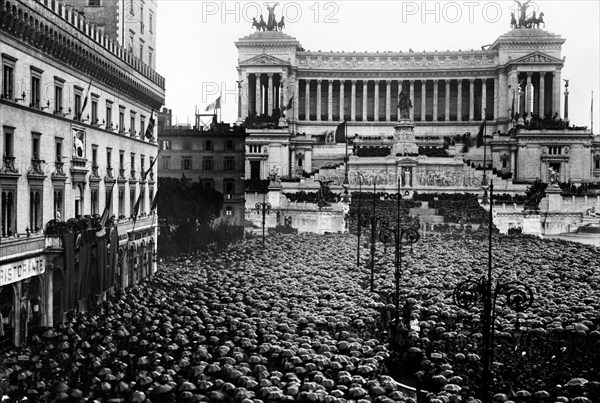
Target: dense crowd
pixel 295 322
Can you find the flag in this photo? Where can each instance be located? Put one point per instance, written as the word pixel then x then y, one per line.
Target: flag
pixel 150 168
pixel 214 105
pixel 85 100
pixel 340 133
pixel 105 213
pixel 480 141
pixel 289 104
pixel 155 200
pixel 150 129
pixel 136 207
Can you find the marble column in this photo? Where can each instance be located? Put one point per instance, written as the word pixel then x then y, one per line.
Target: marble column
pixel 245 96
pixel 353 101
pixel 376 101
pixel 284 93
pixel 388 99
pixel 483 98
pixel 270 96
pixel 423 100
pixel 342 110
pixel 556 93
pixel 471 99
pixel 435 100
pixel 496 97
pixel 319 96
pixel 258 102
pixel 364 101
pixel 513 163
pixel 296 96
pixel 330 100
pixel 542 100
pixel 307 100
pixel 400 89
pixel 447 102
pixel 412 100
pixel 459 101
pixel 528 95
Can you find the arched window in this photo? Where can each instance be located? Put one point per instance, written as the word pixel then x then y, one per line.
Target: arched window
pixel 79 201
pixel 35 210
pixel 8 213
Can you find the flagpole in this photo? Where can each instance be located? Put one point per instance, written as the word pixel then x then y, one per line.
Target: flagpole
pixel 485 182
pixel 346 181
pixel 592 114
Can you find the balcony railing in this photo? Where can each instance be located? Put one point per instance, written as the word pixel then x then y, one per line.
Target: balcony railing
pixel 109 173
pixel 59 169
pixel 95 171
pixel 8 165
pixel 132 175
pixel 122 173
pixel 36 167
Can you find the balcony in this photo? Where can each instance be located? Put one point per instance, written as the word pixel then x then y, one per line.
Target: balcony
pixel 95 176
pixel 121 178
pixel 59 170
pixel 109 177
pixel 79 170
pixel 9 166
pixel 36 170
pixel 132 177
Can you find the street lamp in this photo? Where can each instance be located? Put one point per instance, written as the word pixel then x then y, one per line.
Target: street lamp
pixel 399 236
pixel 375 220
pixel 467 294
pixel 263 207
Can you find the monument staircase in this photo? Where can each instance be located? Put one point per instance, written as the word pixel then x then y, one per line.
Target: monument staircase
pixel 426 214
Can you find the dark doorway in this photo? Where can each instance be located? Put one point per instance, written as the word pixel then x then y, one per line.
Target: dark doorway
pixel 254 169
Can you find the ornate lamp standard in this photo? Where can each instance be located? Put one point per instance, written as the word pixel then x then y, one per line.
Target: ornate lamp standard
pixel 399 236
pixel 263 207
pixel 375 220
pixel 468 293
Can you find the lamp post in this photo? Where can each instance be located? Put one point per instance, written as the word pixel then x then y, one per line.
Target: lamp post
pixel 263 208
pixel 398 235
pixel 467 294
pixel 375 220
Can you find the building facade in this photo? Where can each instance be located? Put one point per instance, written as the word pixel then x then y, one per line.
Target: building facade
pixel 214 157
pixel 132 23
pixel 516 80
pixel 74 109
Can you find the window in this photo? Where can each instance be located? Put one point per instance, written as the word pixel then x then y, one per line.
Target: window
pixel 165 162
pixel 79 205
pixel 141 51
pixel 300 161
pixel 187 144
pixel 8 142
pixel 209 184
pixel 94 3
pixel 36 79
pixel 108 115
pixel 9 212
pixel 130 43
pixel 35 210
pixel 228 188
pixel 141 19
pixel 121 159
pixel 229 164
pixel 108 199
pixel 58 95
pixel 165 145
pixel 121 202
pixel 142 164
pixel 228 211
pixel 149 57
pixel 150 21
pixel 131 8
pixel 58 204
pixel 77 111
pixel 108 158
pixel 142 125
pixel 121 120
pixel 208 145
pixel 35 146
pixel 207 164
pixel 94 155
pixel 186 163
pixel 132 124
pixel 94 197
pixel 8 77
pixel 132 201
pixel 597 162
pixel 229 145
pixel 94 111
pixel 59 152
pixel 132 163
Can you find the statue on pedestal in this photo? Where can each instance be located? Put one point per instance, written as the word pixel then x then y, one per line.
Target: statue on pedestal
pixel 271 21
pixel 274 179
pixel 404 104
pixel 552 177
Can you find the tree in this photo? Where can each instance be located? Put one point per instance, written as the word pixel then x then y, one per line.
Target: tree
pixel 185 207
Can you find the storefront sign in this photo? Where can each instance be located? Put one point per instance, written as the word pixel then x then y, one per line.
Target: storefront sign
pixel 15 272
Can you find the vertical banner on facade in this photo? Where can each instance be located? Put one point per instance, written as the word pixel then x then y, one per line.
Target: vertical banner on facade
pixel 114 256
pixel 69 266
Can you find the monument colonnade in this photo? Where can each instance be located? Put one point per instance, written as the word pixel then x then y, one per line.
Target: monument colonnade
pixel 433 99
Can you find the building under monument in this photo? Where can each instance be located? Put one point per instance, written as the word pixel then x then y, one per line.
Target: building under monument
pixel 292 100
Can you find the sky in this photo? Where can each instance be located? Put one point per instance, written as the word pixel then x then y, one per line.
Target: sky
pixel 197 56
